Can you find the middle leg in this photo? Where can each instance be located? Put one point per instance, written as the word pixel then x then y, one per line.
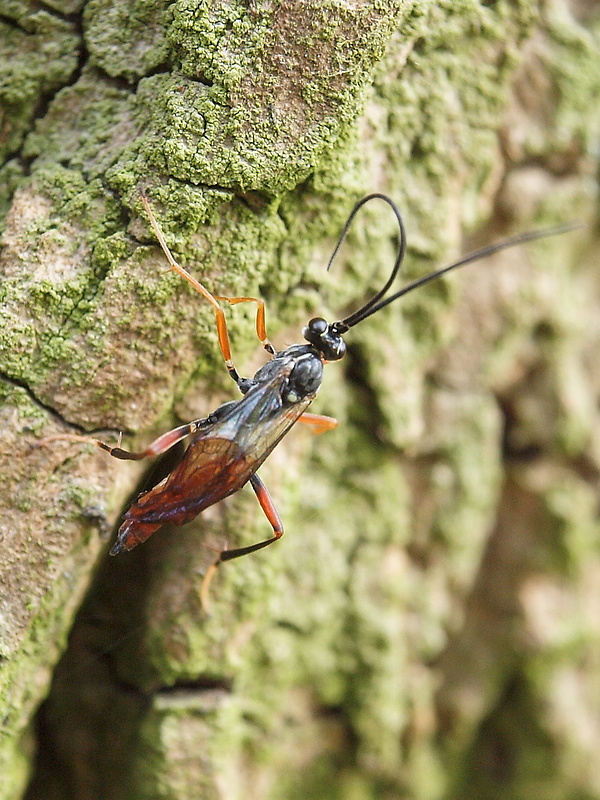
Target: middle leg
pixel 267 505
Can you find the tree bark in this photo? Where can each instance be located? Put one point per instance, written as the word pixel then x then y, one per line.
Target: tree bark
pixel 429 625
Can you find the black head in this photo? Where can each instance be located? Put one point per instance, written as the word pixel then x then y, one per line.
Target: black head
pixel 325 338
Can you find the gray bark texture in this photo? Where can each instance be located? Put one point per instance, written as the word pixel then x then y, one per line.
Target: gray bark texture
pixel 429 626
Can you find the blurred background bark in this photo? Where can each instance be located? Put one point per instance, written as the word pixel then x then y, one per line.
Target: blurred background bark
pixel 429 626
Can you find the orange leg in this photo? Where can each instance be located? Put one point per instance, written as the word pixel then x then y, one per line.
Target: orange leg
pixel 261 327
pixel 267 505
pixel 319 422
pixel 155 448
pixel 222 332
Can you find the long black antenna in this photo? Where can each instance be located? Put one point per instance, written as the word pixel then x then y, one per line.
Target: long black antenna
pixel 377 303
pixel 365 311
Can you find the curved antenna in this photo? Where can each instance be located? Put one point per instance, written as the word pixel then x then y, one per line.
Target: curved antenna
pixel 483 252
pixel 365 311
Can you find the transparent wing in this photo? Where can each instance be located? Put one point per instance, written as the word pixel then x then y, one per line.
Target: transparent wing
pixel 222 458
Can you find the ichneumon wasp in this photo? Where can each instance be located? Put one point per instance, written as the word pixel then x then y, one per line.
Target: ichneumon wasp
pixel 228 446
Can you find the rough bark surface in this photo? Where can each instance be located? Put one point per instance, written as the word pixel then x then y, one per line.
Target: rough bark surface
pixel 429 627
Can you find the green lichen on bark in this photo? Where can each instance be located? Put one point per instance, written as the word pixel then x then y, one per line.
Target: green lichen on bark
pixel 38 55
pixel 314 676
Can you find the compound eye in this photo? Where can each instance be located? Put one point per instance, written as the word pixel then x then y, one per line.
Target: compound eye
pixel 318 326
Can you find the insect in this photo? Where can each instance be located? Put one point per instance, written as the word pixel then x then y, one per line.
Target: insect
pixel 228 446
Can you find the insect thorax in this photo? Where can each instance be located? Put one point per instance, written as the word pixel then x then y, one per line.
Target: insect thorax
pixel 301 369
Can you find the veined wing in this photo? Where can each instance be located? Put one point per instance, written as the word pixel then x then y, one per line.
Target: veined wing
pixel 222 458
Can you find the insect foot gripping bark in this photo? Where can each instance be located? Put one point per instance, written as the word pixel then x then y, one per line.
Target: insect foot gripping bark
pixel 227 447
